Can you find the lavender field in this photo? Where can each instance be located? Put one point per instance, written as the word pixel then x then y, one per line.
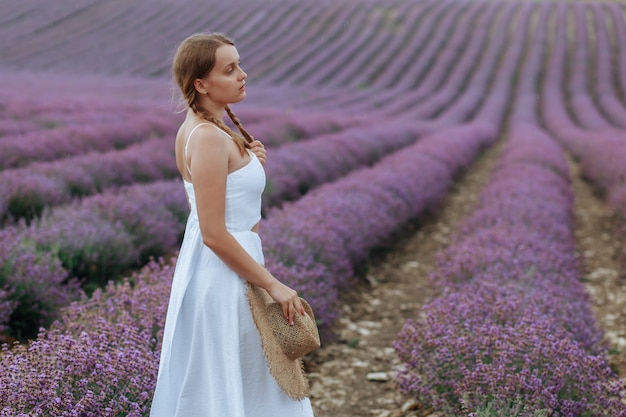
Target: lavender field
pixel 370 110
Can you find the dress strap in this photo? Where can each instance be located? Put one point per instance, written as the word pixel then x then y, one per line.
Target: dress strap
pixel 189 136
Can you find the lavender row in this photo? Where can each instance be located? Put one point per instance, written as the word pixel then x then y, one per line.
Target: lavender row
pixel 347 41
pixel 340 102
pixel 456 61
pixel 101 236
pixel 294 169
pixel 387 64
pixel 154 35
pixel 512 332
pixel 26 192
pixel 363 41
pixel 15 27
pixel 602 149
pixel 430 39
pixel 473 100
pixel 277 29
pixel 315 243
pixel 412 65
pixel 20 150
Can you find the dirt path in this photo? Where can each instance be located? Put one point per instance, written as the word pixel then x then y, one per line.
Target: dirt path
pixel 397 287
pixel 605 278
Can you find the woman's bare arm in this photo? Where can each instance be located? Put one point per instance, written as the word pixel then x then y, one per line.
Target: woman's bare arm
pixel 210 152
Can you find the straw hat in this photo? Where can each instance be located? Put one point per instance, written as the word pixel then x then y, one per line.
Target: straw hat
pixel 284 345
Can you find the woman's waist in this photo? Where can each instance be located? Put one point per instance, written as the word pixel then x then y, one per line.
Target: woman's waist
pixel 249 239
pixel 253 231
pixel 232 226
pixel 251 242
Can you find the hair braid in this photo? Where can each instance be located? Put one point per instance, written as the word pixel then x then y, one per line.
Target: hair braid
pixel 237 123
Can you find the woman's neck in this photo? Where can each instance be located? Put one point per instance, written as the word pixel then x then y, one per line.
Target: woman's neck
pixel 212 108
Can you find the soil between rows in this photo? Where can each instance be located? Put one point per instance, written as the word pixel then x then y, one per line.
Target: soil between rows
pixel 396 287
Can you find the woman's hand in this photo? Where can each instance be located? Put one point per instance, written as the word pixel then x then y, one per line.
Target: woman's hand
pixel 259 150
pixel 287 298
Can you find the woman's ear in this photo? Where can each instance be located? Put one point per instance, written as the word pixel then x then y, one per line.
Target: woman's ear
pixel 200 86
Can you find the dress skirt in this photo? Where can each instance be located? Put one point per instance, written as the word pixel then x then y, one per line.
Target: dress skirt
pixel 212 363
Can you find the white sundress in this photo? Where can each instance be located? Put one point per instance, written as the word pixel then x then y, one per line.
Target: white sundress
pixel 212 363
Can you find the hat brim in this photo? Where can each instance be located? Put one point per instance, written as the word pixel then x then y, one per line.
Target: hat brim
pixel 288 373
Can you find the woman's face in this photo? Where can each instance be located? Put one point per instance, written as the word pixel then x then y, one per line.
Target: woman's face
pixel 225 83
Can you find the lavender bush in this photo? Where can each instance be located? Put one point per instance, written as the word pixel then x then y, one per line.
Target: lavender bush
pixel 99 359
pixel 99 237
pixel 487 346
pixel 91 374
pixel 33 286
pixel 86 244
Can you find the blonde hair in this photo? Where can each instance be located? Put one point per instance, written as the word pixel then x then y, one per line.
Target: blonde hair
pixel 195 58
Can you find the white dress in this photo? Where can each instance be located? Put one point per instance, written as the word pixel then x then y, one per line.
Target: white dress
pixel 212 363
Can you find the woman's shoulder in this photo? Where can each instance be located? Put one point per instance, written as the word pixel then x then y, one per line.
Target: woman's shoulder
pixel 204 129
pixel 206 141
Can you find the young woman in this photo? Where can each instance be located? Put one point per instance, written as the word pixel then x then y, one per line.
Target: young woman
pixel 212 363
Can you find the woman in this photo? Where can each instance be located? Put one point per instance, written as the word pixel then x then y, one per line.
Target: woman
pixel 212 363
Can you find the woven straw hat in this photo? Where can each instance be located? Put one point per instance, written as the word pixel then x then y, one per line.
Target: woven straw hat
pixel 284 345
